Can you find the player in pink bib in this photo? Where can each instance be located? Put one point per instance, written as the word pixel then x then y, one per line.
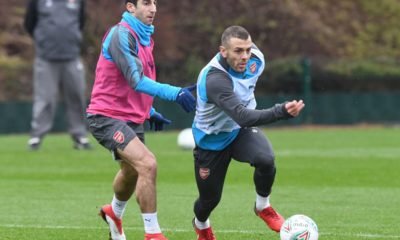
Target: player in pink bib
pixel 120 103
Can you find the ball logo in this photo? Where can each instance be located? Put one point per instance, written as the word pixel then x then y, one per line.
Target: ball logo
pixel 119 137
pixel 204 173
pixel 303 236
pixel 286 228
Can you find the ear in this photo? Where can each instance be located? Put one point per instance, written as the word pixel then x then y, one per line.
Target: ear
pixel 130 7
pixel 222 50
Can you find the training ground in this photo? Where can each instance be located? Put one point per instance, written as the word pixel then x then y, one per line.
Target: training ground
pixel 346 179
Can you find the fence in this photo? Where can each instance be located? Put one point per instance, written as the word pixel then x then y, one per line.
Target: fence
pixel 321 108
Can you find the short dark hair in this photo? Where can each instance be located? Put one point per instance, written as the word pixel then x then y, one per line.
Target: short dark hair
pixel 131 1
pixel 234 32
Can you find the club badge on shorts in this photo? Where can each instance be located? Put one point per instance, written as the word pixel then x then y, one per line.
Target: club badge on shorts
pixel 119 137
pixel 204 173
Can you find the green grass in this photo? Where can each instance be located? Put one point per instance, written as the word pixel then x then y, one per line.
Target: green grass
pixel 347 180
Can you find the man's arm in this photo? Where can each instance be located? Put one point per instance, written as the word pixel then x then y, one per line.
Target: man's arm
pixel 220 92
pixel 31 17
pixel 123 51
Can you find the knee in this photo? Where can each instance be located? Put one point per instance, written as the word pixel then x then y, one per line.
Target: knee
pixel 149 165
pixel 264 161
pixel 210 203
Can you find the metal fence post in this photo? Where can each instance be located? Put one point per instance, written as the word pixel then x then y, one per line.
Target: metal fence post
pixel 307 92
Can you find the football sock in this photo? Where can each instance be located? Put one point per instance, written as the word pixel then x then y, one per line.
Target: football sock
pixel 151 223
pixel 202 225
pixel 118 207
pixel 262 202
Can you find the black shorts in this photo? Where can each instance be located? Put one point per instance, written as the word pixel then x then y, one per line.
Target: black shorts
pixel 112 133
pixel 250 143
pixel 250 146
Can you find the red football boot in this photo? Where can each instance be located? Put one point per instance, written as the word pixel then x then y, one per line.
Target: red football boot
pixel 114 223
pixel 155 236
pixel 204 234
pixel 273 219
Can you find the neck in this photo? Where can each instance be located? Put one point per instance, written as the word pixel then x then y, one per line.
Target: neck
pixel 143 31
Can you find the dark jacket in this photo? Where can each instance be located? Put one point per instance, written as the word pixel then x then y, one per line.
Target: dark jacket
pixel 56 27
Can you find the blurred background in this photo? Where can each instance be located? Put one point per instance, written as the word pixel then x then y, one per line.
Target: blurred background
pixel 341 57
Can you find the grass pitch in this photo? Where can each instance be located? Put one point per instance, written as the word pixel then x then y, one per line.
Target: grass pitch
pixel 347 180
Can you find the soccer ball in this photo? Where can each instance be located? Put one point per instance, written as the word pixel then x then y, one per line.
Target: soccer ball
pixel 185 139
pixel 299 227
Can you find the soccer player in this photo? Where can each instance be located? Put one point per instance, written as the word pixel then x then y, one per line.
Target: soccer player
pixel 121 101
pixel 224 128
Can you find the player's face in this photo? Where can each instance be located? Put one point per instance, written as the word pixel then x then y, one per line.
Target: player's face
pixel 145 10
pixel 237 53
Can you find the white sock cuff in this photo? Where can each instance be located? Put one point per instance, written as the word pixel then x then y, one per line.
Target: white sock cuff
pixel 118 207
pixel 150 222
pixel 262 202
pixel 202 225
pixel 149 215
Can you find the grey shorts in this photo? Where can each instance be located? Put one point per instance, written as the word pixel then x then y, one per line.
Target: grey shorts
pixel 112 133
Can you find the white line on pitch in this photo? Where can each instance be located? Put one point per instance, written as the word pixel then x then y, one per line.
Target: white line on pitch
pixel 363 235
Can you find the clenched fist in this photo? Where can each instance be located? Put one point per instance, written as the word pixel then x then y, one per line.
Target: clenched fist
pixel 294 107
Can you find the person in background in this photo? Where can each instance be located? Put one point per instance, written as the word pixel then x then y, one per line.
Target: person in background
pixel 121 102
pixel 225 128
pixel 56 28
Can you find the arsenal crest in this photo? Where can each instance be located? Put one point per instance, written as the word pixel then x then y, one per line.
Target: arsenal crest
pixel 253 67
pixel 204 173
pixel 73 4
pixel 119 137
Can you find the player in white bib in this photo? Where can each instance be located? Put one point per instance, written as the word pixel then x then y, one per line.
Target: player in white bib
pixel 225 128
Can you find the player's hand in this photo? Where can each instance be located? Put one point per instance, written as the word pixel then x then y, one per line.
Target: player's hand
pixel 186 99
pixel 294 107
pixel 157 121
